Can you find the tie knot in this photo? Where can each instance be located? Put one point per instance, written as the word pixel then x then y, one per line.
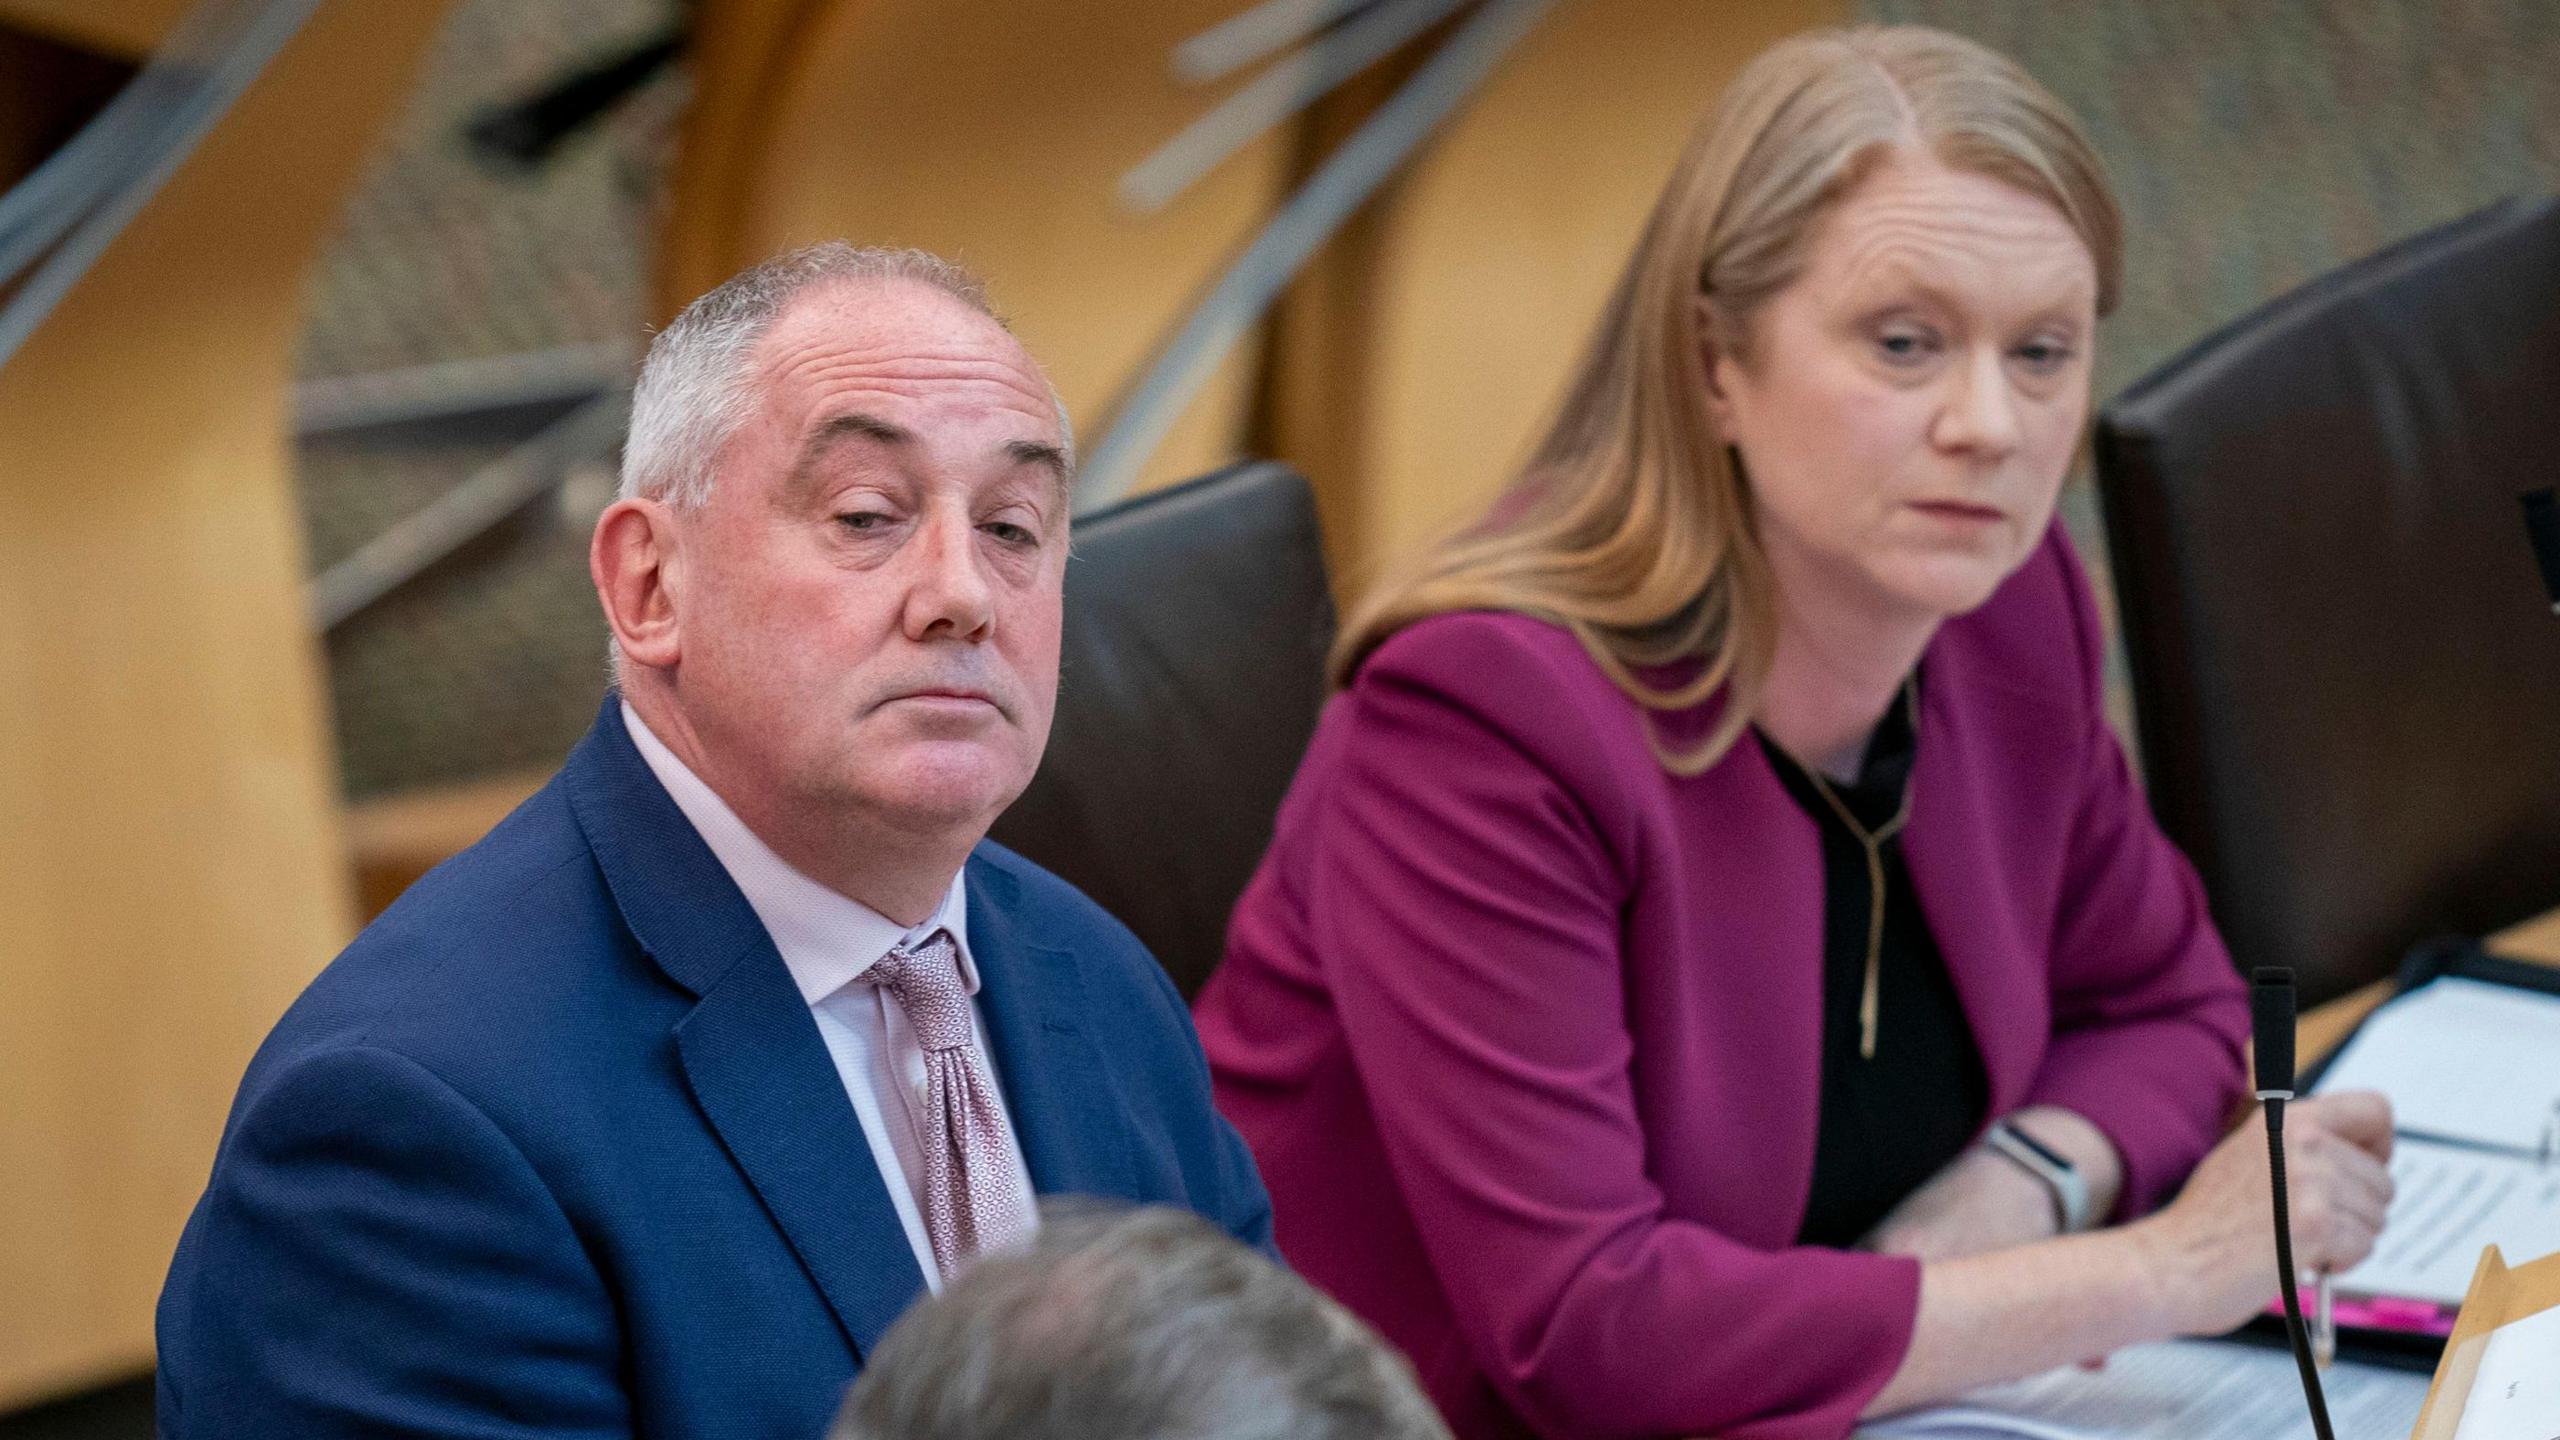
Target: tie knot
pixel 925 981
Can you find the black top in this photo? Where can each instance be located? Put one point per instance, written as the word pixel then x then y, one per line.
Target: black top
pixel 1889 1123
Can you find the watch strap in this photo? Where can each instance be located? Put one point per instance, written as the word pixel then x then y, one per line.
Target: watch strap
pixel 2061 1179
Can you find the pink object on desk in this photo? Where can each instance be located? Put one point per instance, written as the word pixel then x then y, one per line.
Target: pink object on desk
pixel 2382 1312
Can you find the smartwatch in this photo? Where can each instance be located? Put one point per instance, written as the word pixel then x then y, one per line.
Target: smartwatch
pixel 2062 1179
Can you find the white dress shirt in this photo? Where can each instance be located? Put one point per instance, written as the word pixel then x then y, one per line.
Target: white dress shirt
pixel 829 942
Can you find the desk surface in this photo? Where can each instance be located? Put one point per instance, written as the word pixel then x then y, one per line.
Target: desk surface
pixel 2322 1028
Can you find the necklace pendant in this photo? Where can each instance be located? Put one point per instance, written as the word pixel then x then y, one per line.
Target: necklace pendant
pixel 1867 1010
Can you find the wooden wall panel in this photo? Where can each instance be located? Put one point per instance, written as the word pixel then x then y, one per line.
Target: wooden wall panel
pixel 127 28
pixel 1474 286
pixel 992 134
pixel 171 871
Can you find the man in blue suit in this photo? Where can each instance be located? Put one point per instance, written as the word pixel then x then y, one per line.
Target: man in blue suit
pixel 650 1112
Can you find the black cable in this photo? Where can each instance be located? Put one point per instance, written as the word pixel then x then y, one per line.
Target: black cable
pixel 2288 1280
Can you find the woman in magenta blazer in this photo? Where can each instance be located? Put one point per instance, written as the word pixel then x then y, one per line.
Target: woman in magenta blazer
pixel 1715 973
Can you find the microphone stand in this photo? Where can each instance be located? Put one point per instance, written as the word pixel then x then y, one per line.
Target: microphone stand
pixel 2271 1031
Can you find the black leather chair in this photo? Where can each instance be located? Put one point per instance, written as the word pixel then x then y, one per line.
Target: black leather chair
pixel 1193 666
pixel 2347 673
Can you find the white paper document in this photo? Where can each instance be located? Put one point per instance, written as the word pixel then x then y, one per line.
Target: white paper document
pixel 2473 1074
pixel 2447 1203
pixel 2463 1059
pixel 2176 1390
pixel 2515 1395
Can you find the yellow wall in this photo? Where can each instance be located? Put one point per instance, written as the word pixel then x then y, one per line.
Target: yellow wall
pixel 1408 367
pixel 128 28
pixel 1465 298
pixel 992 134
pixel 170 866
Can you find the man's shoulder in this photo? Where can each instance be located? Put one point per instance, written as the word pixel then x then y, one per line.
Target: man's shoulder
pixel 505 943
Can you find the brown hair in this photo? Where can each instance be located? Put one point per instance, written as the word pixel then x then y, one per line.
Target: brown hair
pixel 1630 525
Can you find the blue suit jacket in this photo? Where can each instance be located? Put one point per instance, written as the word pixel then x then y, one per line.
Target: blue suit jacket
pixel 555 1147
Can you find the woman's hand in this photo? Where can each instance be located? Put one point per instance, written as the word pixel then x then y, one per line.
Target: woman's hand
pixel 2216 1241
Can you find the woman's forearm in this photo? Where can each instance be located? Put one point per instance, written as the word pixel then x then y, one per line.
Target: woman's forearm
pixel 2085 1146
pixel 2011 1313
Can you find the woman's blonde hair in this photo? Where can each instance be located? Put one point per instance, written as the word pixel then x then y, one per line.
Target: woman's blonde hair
pixel 1630 525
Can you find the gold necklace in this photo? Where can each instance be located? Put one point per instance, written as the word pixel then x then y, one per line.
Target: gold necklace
pixel 1873 842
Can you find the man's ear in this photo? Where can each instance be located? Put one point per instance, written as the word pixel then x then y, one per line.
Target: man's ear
pixel 637 563
pixel 1716 364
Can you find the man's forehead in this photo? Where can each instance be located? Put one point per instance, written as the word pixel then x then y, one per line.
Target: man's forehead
pixel 899 331
pixel 905 352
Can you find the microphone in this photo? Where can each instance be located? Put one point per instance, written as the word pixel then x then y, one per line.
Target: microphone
pixel 2542 527
pixel 2271 1038
pixel 2271 1030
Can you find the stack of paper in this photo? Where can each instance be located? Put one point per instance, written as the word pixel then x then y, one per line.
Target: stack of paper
pixel 2176 1390
pixel 2515 1393
pixel 2473 1072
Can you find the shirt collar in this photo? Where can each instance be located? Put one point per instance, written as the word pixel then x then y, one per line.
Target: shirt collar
pixel 828 940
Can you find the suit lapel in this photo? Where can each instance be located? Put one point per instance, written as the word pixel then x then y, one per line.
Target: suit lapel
pixel 750 1050
pixel 1065 1110
pixel 765 1081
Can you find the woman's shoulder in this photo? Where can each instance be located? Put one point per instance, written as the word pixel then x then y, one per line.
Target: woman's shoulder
pixel 2038 637
pixel 1481 649
pixel 1523 678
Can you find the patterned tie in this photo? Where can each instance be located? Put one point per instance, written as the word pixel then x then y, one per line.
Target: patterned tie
pixel 971 1204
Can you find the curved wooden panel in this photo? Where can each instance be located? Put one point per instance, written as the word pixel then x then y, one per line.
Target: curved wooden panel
pixel 1475 284
pixel 170 867
pixel 126 28
pixel 737 49
pixel 993 134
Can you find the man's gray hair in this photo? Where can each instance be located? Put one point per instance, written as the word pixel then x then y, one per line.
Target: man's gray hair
pixel 1145 1324
pixel 698 383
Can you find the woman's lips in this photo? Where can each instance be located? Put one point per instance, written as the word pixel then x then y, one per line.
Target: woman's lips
pixel 1959 510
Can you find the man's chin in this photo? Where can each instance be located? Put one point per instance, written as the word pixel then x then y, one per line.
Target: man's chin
pixel 929 786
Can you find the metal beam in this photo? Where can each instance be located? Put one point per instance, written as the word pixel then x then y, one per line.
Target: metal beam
pixel 1347 178
pixel 468 510
pixel 1289 86
pixel 451 388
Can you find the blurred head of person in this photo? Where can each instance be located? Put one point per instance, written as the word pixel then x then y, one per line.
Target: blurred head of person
pixel 834 572
pixel 1847 365
pixel 1135 1324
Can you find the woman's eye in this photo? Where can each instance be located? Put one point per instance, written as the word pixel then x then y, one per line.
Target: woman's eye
pixel 1903 347
pixel 2044 354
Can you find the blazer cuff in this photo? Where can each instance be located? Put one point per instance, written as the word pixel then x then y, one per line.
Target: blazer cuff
pixel 2142 1089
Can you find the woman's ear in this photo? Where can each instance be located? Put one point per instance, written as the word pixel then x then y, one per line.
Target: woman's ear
pixel 637 565
pixel 1717 363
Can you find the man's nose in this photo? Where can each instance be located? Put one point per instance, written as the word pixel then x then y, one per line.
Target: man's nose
pixel 949 595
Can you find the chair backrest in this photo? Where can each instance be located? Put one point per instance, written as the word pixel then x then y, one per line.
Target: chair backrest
pixel 1197 622
pixel 2347 675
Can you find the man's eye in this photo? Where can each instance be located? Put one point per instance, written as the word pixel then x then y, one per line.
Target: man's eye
pixel 1010 533
pixel 862 520
pixel 2044 354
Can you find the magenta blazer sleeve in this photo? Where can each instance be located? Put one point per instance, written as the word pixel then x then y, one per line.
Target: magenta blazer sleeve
pixel 2148 1016
pixel 1467 900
